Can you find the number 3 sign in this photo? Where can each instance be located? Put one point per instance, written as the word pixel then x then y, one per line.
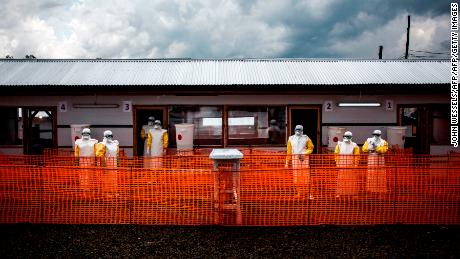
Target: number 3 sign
pixel 126 106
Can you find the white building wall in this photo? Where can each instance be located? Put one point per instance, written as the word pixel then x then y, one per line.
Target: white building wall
pixel 124 132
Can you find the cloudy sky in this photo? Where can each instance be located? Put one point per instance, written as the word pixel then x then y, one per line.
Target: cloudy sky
pixel 222 28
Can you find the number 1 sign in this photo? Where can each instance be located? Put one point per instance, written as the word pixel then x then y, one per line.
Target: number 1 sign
pixel 389 105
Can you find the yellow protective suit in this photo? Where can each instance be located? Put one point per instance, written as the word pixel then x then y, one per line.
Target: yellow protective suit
pixel 107 153
pixel 298 149
pixel 157 143
pixel 376 174
pixel 347 157
pixel 144 133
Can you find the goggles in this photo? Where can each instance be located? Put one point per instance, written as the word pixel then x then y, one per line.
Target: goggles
pixel 85 134
pixel 109 136
pixel 378 135
pixel 347 137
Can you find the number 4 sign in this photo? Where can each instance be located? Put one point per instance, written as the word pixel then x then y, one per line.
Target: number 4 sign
pixel 328 106
pixel 126 106
pixel 389 105
pixel 62 106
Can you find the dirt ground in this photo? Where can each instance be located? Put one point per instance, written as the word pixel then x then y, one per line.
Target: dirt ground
pixel 135 241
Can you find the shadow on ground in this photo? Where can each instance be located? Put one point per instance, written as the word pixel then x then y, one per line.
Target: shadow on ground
pixel 109 241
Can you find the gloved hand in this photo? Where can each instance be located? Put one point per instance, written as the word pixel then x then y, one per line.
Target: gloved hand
pixel 371 146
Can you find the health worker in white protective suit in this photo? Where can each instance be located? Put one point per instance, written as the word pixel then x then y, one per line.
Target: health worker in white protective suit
pixel 145 131
pixel 85 152
pixel 299 147
pixel 107 153
pixel 346 156
pixel 157 143
pixel 376 182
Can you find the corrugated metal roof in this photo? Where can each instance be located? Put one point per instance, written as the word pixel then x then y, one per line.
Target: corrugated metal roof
pixel 54 72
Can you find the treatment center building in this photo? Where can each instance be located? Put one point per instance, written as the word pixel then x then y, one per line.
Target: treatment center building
pixel 244 103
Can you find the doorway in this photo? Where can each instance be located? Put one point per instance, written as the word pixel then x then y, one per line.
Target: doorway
pixel 417 119
pixel 39 129
pixel 140 118
pixel 309 118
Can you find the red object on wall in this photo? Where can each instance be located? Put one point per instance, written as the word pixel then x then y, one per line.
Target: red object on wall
pixel 76 137
pixel 335 139
pixel 179 137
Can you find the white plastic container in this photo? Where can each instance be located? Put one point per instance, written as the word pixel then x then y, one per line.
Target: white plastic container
pixel 396 136
pixel 184 136
pixel 334 134
pixel 75 131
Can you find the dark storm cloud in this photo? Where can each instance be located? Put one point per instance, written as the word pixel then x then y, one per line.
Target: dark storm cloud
pixel 311 36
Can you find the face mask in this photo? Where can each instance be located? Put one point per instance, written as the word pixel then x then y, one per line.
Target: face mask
pixel 150 123
pixel 108 138
pixel 156 126
pixel 347 140
pixel 298 133
pixel 85 137
pixel 376 138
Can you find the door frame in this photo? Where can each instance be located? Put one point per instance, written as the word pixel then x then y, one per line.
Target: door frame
pixel 136 108
pixel 423 137
pixel 318 108
pixel 27 129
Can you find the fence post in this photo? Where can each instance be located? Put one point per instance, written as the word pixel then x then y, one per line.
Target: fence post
pixel 395 181
pixel 131 196
pixel 310 180
pixel 41 196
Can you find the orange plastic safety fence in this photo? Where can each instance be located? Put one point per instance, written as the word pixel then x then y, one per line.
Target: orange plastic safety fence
pixel 263 189
pixel 50 152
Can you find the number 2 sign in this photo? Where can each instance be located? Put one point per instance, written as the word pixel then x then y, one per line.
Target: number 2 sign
pixel 328 106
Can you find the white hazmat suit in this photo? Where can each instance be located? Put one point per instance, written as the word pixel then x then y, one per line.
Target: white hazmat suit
pixel 299 146
pixel 376 174
pixel 107 152
pixel 85 151
pixel 145 131
pixel 157 143
pixel 347 157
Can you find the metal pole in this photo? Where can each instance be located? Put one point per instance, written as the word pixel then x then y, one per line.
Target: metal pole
pixel 407 38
